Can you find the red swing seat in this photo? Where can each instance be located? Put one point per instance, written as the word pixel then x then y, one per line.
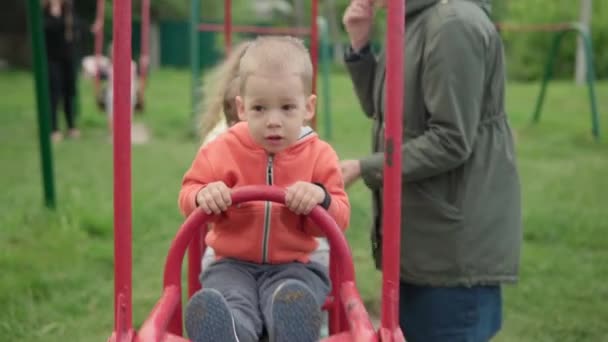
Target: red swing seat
pixel 348 319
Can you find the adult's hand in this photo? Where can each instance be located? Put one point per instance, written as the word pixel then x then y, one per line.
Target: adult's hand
pixel 358 20
pixel 351 171
pixel 96 26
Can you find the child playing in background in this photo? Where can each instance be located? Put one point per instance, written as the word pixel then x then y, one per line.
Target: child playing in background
pixel 94 65
pixel 219 93
pixel 263 278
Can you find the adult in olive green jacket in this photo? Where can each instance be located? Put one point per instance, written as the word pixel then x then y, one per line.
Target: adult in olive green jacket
pixel 461 210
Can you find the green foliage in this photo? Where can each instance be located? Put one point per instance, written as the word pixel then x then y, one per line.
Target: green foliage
pixel 57 266
pixel 528 52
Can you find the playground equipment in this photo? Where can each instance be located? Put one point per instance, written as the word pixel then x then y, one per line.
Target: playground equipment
pixel 43 101
pixel 144 56
pixel 317 23
pixel 560 30
pixel 349 320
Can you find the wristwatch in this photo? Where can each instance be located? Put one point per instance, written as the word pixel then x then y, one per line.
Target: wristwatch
pixel 351 55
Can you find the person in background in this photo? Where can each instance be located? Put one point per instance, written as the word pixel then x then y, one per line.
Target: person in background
pixel 103 66
pixel 61 36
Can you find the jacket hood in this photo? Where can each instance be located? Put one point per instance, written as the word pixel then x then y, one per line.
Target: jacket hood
pixel 416 6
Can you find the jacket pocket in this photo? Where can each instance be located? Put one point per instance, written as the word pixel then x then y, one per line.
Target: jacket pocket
pixel 432 230
pixel 433 204
pixel 287 233
pixel 238 233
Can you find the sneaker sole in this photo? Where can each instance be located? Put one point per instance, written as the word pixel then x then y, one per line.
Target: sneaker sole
pixel 295 314
pixel 208 318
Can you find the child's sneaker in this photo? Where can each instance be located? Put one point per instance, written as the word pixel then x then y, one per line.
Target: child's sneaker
pixel 74 133
pixel 208 318
pixel 56 137
pixel 296 315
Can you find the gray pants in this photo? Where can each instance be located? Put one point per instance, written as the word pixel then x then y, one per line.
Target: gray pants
pixel 248 289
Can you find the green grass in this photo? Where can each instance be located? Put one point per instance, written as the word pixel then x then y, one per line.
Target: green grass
pixel 57 266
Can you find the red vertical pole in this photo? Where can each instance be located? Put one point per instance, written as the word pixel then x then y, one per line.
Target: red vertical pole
pixel 122 167
pixel 335 311
pixel 395 38
pixel 227 26
pixel 314 50
pixel 99 42
pixel 144 55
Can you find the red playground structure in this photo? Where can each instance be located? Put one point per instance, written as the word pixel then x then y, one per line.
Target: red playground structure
pixel 144 58
pixel 348 318
pixel 227 28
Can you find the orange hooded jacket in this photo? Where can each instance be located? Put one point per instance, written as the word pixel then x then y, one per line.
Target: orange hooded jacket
pixel 264 232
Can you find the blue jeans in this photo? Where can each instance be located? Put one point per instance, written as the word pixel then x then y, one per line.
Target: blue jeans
pixel 449 314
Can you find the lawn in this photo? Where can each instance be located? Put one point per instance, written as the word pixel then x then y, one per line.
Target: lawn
pixel 57 266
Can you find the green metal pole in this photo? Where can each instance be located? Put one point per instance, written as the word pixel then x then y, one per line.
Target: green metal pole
pixel 548 73
pixel 595 121
pixel 325 56
pixel 195 66
pixel 42 99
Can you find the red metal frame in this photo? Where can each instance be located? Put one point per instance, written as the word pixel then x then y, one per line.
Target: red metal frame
pixel 99 18
pixel 123 325
pixel 395 37
pixel 227 25
pixel 294 31
pixel 144 55
pixel 313 31
pixel 348 321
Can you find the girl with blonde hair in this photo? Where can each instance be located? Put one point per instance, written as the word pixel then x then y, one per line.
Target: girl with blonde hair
pixel 220 89
pixel 219 92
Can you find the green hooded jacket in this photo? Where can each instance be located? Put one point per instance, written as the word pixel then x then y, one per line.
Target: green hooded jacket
pixel 461 206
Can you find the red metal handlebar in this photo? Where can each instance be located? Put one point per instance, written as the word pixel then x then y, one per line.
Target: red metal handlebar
pixel 296 31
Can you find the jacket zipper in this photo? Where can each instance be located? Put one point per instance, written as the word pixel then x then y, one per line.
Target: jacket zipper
pixel 267 207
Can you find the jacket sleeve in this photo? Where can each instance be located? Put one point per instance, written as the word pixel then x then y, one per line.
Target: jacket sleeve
pixel 453 87
pixel 362 72
pixel 196 178
pixel 327 172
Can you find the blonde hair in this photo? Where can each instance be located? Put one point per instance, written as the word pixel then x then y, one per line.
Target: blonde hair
pixel 219 91
pixel 277 55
